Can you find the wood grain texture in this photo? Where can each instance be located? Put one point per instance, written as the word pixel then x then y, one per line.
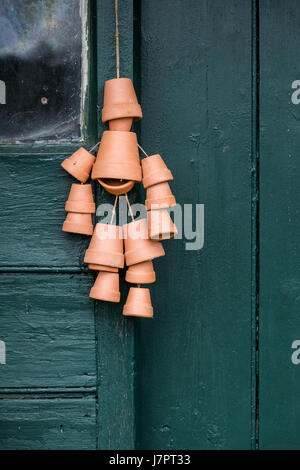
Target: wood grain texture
pixel 116 377
pixel 29 424
pixel 114 333
pixel 47 323
pixel 194 361
pixel 33 195
pixel 279 413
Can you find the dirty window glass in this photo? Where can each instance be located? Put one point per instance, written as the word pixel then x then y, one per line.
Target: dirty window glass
pixel 41 63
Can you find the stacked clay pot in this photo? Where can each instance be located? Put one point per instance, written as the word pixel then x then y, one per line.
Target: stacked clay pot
pixel 79 164
pixel 117 168
pixel 139 253
pixel 106 255
pixel 106 247
pixel 142 237
pixel 80 204
pixel 156 177
pixel 138 303
pixel 120 104
pixel 106 287
pixel 80 207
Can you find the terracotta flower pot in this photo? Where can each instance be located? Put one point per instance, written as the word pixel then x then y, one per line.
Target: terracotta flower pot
pixel 80 199
pixel 159 196
pixel 155 171
pixel 142 273
pixel 138 303
pixel 118 163
pixel 116 187
pixel 101 267
pixel 106 246
pixel 78 223
pixel 120 102
pixel 106 287
pixel 121 124
pixel 79 164
pixel 138 247
pixel 118 157
pixel 160 225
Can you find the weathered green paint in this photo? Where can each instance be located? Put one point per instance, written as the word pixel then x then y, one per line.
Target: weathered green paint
pixel 33 195
pixel 58 340
pixel 78 374
pixel 115 338
pixel 194 361
pixel 47 423
pixel 47 323
pixel 279 325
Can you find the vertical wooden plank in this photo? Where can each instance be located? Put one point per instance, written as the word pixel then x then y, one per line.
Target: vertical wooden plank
pixel 49 336
pixel 279 325
pixel 115 334
pixel 32 217
pixel 48 383
pixel 39 424
pixel 194 361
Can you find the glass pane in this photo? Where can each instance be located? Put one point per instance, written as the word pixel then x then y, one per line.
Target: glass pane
pixel 40 69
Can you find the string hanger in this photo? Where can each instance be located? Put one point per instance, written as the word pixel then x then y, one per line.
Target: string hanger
pixel 117 40
pixel 95 146
pixel 129 207
pixel 141 148
pixel 117 52
pixel 132 218
pixel 114 210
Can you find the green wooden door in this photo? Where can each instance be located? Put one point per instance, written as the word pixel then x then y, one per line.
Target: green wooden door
pixel 217 367
pixel 195 381
pixel 68 378
pixel 279 325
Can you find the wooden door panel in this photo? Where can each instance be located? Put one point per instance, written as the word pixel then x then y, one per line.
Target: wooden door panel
pixel 279 319
pixel 187 378
pixel 48 396
pixel 44 423
pixel 58 341
pixel 116 365
pixel 33 195
pixel 47 323
pixel 196 357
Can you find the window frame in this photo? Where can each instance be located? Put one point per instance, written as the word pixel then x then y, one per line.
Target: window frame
pixel 88 111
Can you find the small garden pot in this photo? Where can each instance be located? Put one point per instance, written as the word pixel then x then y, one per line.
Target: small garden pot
pixel 116 187
pixel 160 225
pixel 159 196
pixel 138 303
pixel 80 199
pixel 142 273
pixel 155 171
pixel 120 101
pixel 138 247
pixel 106 246
pixel 117 159
pixel 106 287
pixel 101 267
pixel 79 164
pixel 78 223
